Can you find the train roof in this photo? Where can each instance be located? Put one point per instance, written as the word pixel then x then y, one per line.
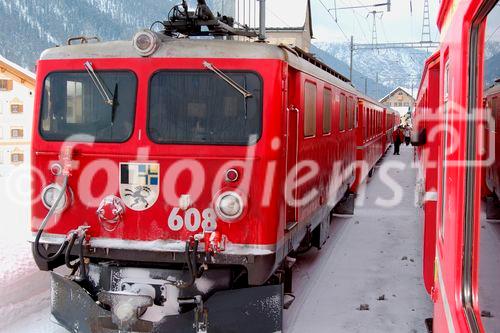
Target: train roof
pixel 493 89
pixel 206 48
pixel 169 48
pixel 372 100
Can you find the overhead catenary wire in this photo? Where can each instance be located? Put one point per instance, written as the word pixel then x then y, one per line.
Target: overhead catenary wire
pixel 492 34
pixel 333 18
pixel 277 17
pixel 361 26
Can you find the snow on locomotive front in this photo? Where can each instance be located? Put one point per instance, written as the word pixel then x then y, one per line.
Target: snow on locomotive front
pixel 157 166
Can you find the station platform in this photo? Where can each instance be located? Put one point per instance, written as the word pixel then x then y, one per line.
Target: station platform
pixel 368 276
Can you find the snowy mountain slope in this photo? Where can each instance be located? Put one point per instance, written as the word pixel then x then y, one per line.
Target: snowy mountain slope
pixel 373 89
pixel 492 48
pixel 492 62
pixel 27 27
pixel 395 67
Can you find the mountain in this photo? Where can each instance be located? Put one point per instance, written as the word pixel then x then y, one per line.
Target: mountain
pixel 492 63
pixel 394 67
pixel 27 27
pixel 373 88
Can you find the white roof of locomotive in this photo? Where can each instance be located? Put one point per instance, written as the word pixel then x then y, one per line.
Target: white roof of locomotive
pixel 171 48
pixel 195 48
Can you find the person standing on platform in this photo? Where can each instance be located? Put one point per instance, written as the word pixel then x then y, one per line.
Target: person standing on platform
pixel 397 138
pixel 407 134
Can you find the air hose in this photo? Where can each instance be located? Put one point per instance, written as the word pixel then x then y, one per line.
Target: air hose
pixel 67 256
pixel 52 209
pixel 192 264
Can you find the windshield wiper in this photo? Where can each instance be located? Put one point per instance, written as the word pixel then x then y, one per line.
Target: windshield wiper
pixel 99 85
pixel 114 104
pixel 226 78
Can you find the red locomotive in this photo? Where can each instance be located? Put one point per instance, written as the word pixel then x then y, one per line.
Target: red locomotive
pixel 175 176
pixel 457 137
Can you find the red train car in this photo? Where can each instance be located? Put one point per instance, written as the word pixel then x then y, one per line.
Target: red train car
pixel 175 176
pixel 391 121
pixel 492 170
pixel 370 138
pixel 461 239
pixel 426 125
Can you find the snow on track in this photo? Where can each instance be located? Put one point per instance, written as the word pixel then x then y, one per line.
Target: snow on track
pixel 360 262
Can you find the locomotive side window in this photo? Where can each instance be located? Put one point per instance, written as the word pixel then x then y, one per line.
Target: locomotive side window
pixel 198 107
pixel 343 101
pixel 327 111
pixel 72 106
pixel 350 114
pixel 309 109
pixel 356 114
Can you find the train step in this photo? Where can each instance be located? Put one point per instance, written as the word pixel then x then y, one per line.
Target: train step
pixel 493 209
pixel 429 324
pixel 346 205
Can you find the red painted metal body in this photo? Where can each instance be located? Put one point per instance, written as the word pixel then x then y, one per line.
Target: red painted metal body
pixel 452 224
pixel 270 224
pixel 151 224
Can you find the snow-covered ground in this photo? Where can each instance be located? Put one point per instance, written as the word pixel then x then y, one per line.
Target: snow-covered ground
pixel 362 261
pixel 24 296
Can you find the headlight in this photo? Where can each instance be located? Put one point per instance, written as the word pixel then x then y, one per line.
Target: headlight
pixel 146 42
pixel 229 206
pixel 50 194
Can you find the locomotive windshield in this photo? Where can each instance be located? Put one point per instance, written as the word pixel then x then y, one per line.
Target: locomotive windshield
pixel 74 109
pixel 201 108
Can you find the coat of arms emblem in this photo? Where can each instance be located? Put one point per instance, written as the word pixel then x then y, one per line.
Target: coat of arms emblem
pixel 139 184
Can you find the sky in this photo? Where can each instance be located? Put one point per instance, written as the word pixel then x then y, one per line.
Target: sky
pixel 398 25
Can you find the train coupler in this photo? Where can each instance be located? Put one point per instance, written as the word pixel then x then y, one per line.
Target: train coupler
pixel 125 308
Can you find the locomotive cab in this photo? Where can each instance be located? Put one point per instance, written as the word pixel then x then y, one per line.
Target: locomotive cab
pixel 154 177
